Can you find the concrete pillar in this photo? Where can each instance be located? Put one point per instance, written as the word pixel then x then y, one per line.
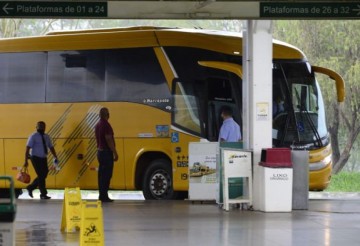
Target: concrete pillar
pixel 257 93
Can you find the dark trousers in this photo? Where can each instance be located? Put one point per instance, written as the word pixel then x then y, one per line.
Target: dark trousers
pixel 42 170
pixel 106 166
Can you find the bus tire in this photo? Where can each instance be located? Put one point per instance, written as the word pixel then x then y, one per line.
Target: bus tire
pixel 157 181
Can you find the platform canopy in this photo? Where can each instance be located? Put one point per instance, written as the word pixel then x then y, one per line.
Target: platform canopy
pixel 185 9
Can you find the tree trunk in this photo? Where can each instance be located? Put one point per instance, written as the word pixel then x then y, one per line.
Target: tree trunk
pixel 334 130
pixel 345 154
pixel 354 131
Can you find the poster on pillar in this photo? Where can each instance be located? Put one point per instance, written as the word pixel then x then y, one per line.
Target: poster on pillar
pixel 203 180
pixel 262 111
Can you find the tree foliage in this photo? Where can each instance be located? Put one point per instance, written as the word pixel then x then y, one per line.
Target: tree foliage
pixel 9 27
pixel 335 45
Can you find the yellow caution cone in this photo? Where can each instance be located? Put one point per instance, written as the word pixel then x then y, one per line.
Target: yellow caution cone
pixel 71 211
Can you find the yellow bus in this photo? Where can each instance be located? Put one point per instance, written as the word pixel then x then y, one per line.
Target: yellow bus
pixel 164 88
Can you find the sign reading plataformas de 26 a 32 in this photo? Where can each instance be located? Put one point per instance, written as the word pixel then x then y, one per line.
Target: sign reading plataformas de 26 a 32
pixel 310 9
pixel 52 9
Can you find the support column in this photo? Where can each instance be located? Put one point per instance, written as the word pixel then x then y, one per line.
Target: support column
pixel 257 94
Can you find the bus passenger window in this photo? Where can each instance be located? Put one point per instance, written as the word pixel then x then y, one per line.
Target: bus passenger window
pixel 22 77
pixel 75 61
pixel 135 75
pixel 186 109
pixel 76 76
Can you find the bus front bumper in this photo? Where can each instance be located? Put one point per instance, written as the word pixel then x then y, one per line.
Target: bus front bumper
pixel 320 179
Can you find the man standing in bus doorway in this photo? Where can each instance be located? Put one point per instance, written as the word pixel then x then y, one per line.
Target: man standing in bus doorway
pixel 230 130
pixel 106 153
pixel 39 143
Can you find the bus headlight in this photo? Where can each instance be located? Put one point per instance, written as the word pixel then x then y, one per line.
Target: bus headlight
pixel 321 164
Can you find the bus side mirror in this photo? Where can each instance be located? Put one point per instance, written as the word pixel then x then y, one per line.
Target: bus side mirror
pixel 340 84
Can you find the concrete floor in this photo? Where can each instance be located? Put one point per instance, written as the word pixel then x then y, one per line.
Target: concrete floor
pixel 139 222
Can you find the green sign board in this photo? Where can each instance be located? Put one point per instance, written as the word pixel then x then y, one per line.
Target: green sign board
pixel 310 10
pixel 52 9
pixel 179 9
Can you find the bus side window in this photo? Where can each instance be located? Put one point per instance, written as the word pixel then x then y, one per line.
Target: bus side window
pixel 22 77
pixel 76 76
pixel 186 109
pixel 107 75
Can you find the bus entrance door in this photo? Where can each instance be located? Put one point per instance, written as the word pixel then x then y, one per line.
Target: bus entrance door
pixel 222 90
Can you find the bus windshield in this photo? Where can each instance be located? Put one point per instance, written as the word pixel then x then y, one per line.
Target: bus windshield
pixel 298 107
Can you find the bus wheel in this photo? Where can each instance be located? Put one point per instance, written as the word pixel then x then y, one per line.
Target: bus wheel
pixel 157 182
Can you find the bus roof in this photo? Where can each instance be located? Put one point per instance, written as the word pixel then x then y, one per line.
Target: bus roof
pixel 144 36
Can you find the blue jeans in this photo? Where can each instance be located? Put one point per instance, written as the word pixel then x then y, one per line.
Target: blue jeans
pixel 106 166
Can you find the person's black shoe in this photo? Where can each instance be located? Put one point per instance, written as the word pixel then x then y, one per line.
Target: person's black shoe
pixel 45 197
pixel 106 200
pixel 29 192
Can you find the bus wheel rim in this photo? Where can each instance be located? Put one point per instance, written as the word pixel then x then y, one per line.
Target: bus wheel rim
pixel 159 183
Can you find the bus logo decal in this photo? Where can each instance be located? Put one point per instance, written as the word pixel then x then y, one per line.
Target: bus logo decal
pixel 162 131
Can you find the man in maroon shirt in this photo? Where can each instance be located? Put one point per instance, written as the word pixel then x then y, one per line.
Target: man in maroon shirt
pixel 106 154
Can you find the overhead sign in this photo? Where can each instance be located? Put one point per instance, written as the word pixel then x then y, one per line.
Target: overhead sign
pixel 232 9
pixel 52 9
pixel 180 9
pixel 310 10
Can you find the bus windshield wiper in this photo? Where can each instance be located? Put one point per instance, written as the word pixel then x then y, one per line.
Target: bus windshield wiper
pixel 291 116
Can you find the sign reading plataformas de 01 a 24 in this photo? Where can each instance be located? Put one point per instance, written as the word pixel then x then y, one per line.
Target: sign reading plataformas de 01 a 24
pixel 52 9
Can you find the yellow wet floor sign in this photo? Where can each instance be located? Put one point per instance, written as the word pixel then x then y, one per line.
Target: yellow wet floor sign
pixel 92 226
pixel 71 211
